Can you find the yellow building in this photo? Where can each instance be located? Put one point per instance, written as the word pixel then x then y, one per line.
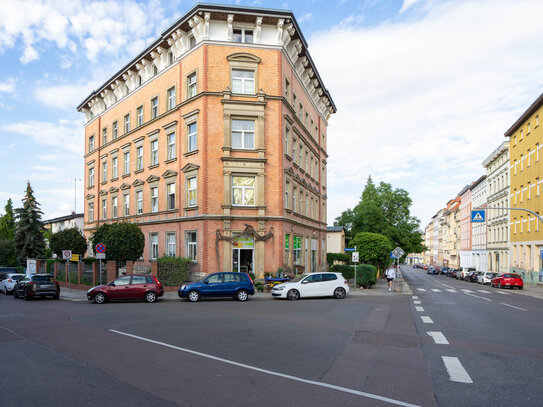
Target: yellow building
pixel 526 174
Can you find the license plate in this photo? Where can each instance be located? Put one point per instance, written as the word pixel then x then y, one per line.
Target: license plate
pixel 46 286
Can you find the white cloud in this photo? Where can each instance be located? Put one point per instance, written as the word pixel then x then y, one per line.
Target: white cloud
pixel 407 4
pixel 423 102
pixel 64 96
pixel 8 86
pixel 64 135
pixel 305 17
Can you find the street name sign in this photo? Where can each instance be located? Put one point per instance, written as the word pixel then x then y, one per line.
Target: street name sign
pixel 66 254
pixel 349 249
pixel 101 256
pixel 478 216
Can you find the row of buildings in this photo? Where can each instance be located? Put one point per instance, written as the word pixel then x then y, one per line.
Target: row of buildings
pixel 213 139
pixel 511 237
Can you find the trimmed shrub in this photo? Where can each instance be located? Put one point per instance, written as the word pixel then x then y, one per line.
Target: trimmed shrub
pixel 366 275
pixel 346 271
pixel 173 270
pixel 340 257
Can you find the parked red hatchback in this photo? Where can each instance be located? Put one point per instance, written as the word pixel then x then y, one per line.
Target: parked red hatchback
pixel 134 287
pixel 508 280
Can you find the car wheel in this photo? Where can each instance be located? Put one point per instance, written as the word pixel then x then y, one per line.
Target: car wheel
pixel 193 296
pixel 56 296
pixel 242 295
pixel 150 296
pixel 340 293
pixel 100 298
pixel 293 295
pixel 15 293
pixel 5 291
pixel 521 287
pixel 26 296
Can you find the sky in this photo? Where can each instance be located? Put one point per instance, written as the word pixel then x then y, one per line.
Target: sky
pixel 424 89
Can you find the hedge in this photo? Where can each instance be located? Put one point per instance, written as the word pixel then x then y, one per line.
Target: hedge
pixel 366 274
pixel 340 257
pixel 173 270
pixel 347 271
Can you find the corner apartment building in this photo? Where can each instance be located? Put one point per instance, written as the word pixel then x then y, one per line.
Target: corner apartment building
pixel 526 174
pixel 213 139
pixel 497 220
pixel 479 251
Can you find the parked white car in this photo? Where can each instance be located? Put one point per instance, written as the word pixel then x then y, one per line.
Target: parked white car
pixel 313 285
pixel 6 285
pixel 485 277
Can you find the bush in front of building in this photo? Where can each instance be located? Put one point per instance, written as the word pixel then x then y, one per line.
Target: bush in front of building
pixel 335 258
pixel 124 241
pixel 346 271
pixel 366 275
pixel 173 270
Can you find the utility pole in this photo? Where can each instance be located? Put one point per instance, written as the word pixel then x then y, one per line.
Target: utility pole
pixel 74 180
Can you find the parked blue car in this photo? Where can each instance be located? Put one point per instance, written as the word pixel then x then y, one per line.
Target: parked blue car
pixel 226 284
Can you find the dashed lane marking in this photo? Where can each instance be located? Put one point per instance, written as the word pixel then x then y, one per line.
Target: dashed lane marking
pixel 270 372
pixel 512 306
pixel 419 309
pixel 478 296
pixel 421 289
pixel 501 292
pixel 451 290
pixel 484 291
pixel 466 291
pixel 416 302
pixel 436 290
pixel 438 338
pixel 427 320
pixel 456 371
pixel 446 285
pixel 415 297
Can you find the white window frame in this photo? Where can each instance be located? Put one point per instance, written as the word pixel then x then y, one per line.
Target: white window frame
pixel 192 85
pixel 91 177
pixel 91 143
pixel 191 245
pixel 104 135
pixel 154 152
pixel 126 157
pixel 91 211
pixel 114 206
pixel 127 123
pixel 114 130
pixel 104 171
pixel 247 85
pixel 192 191
pixel 243 35
pixel 104 208
pixel 114 168
pixel 153 246
pixel 170 195
pixel 170 139
pixel 154 107
pixel 243 189
pixel 139 158
pixel 139 202
pixel 171 244
pixel 139 116
pixel 242 135
pixel 154 199
pixel 192 137
pixel 171 98
pixel 126 203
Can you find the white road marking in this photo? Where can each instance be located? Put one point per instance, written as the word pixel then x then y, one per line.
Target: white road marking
pixel 415 297
pixel 484 291
pixel 466 291
pixel 501 292
pixel 421 289
pixel 446 285
pixel 512 306
pixel 270 372
pixel 416 302
pixel 427 320
pixel 451 291
pixel 478 296
pixel 419 309
pixel 436 290
pixel 456 371
pixel 438 338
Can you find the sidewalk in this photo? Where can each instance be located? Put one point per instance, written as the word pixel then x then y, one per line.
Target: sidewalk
pixel 381 288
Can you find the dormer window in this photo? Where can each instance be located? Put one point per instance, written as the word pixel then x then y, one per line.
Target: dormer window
pixel 243 35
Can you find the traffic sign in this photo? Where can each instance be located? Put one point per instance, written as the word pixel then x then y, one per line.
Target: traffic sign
pixel 355 257
pixel 478 216
pixel 101 256
pixel 349 249
pixel 66 254
pixel 397 253
pixel 100 248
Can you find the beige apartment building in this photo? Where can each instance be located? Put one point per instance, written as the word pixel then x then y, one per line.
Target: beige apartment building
pixel 497 220
pixel 452 235
pixel 213 139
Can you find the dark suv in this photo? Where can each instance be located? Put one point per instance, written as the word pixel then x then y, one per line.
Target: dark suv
pixel 227 284
pixel 36 285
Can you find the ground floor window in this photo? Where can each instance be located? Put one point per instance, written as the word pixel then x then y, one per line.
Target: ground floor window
pixel 192 251
pixel 297 245
pixel 287 249
pixel 153 239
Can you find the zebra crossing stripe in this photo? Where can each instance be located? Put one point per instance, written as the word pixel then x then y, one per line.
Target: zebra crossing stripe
pixel 436 290
pixel 450 290
pixel 421 289
pixel 419 309
pixel 466 291
pixel 427 320
pixel 484 291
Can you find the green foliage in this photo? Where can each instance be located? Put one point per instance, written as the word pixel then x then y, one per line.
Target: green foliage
pixel 124 241
pixel 29 241
pixel 340 257
pixel 8 254
pixel 90 260
pixel 259 286
pixel 253 276
pixel 346 271
pixel 7 222
pixel 373 248
pixel 49 265
pixel 173 270
pixel 384 210
pixel 61 275
pixel 366 275
pixel 68 239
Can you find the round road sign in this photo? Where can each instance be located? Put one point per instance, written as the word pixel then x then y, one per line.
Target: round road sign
pixel 100 248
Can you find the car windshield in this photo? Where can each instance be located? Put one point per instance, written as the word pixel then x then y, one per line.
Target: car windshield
pixel 299 278
pixel 17 278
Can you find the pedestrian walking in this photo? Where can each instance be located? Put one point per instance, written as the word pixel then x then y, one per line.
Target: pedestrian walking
pixel 390 275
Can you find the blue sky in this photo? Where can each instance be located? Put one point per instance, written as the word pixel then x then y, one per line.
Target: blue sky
pixel 425 89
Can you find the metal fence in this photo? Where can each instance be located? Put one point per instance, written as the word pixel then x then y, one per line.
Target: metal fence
pixel 86 274
pixel 140 268
pixel 73 270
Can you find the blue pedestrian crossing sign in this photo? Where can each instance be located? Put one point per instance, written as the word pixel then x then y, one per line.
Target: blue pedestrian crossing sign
pixel 478 216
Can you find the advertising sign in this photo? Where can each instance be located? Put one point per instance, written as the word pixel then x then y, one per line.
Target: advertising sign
pixel 243 242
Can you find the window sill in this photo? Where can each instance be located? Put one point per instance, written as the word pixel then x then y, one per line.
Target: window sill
pixel 171 160
pixel 243 149
pixel 244 207
pixel 90 187
pixel 190 208
pixel 103 183
pixel 138 171
pixel 194 152
pixel 152 166
pixel 125 175
pixel 288 157
pixel 114 179
pixel 288 210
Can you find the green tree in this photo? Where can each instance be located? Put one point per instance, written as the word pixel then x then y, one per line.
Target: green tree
pixel 7 222
pixel 68 239
pixel 373 249
pixel 124 241
pixel 29 241
pixel 8 255
pixel 384 210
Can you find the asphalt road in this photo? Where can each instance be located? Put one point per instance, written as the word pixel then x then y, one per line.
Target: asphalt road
pixel 370 350
pixel 496 335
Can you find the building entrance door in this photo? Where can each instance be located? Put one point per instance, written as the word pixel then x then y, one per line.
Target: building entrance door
pixel 243 254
